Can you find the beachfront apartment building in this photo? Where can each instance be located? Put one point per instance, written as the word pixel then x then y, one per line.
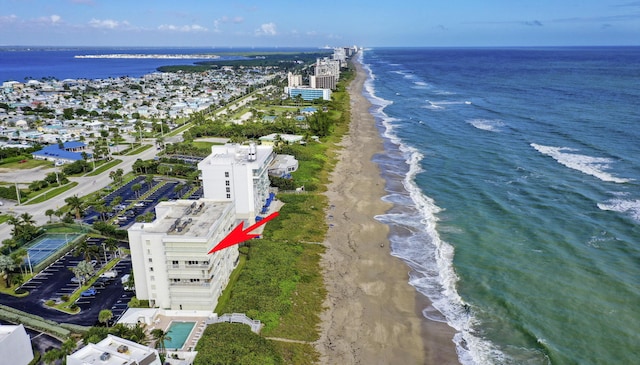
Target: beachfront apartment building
pixel 114 350
pixel 238 174
pixel 323 81
pixel 294 80
pixel 170 258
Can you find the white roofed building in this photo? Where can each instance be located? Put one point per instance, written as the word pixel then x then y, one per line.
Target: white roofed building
pixel 114 351
pixel 238 174
pixel 170 257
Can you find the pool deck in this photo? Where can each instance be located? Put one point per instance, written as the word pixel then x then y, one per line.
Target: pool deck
pixel 163 322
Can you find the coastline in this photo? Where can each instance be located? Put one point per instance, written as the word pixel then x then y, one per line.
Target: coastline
pixel 372 314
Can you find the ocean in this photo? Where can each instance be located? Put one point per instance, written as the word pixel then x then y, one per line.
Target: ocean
pixel 514 176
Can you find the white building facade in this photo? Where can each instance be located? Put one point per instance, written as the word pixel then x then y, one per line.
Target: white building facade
pixel 170 256
pixel 15 345
pixel 238 174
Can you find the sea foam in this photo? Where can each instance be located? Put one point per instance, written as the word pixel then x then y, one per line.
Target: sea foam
pixel 594 166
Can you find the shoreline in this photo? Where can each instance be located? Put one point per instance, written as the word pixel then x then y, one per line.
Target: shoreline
pixel 373 315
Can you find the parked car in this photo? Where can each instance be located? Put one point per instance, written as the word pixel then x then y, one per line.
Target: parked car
pixel 88 293
pixel 109 274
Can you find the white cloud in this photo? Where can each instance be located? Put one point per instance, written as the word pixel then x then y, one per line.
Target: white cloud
pixel 267 29
pixel 184 28
pixel 49 20
pixel 105 24
pixel 7 19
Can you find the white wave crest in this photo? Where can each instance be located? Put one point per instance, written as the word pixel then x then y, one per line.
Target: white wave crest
pixel 630 207
pixel 594 166
pixel 440 105
pixel 491 125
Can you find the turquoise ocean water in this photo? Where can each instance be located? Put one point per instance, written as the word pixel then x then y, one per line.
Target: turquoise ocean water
pixel 515 178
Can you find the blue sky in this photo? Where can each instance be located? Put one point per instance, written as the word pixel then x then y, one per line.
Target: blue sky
pixel 288 23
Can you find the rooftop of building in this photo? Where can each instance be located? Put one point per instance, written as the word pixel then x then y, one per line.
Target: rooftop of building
pixel 6 330
pixel 191 218
pixel 222 155
pixel 113 350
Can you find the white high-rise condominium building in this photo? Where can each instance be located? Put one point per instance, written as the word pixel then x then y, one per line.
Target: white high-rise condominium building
pixel 170 256
pixel 294 80
pixel 238 174
pixel 15 345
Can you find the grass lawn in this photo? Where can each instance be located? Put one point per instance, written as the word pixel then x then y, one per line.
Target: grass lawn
pixel 29 164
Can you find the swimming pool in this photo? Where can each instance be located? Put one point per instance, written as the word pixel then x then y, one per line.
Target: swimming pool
pixel 179 333
pixel 46 245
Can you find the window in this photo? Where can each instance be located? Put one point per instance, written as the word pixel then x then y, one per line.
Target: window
pixel 192 262
pixel 226 174
pixel 228 196
pixel 175 262
pixel 227 183
pixel 150 259
pixel 195 280
pixel 228 189
pixel 152 278
pixel 150 268
pixel 176 280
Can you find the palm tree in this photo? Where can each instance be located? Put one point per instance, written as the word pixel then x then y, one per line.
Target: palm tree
pixel 111 244
pixel 16 222
pixel 82 271
pixel 149 181
pixel 86 250
pixel 52 356
pixel 136 188
pixel 50 213
pixel 76 205
pixel 58 213
pixel 105 316
pixel 6 265
pixel 101 208
pixel 68 346
pixel 160 336
pixel 138 334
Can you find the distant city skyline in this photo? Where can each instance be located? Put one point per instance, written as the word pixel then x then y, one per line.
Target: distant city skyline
pixel 279 23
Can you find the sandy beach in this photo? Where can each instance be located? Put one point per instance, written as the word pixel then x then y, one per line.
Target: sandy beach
pixel 372 316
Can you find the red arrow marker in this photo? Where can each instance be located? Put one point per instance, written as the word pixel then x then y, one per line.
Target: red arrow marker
pixel 238 235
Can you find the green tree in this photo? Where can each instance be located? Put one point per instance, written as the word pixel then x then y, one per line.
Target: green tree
pixel 76 205
pixel 87 251
pixel 136 188
pixel 52 356
pixel 6 266
pixel 160 336
pixel 82 272
pixel 50 213
pixel 105 316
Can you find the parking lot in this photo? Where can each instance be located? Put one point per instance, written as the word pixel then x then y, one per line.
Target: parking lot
pixel 57 280
pixel 166 190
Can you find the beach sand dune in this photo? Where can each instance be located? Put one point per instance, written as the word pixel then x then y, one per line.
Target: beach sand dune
pixel 372 316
